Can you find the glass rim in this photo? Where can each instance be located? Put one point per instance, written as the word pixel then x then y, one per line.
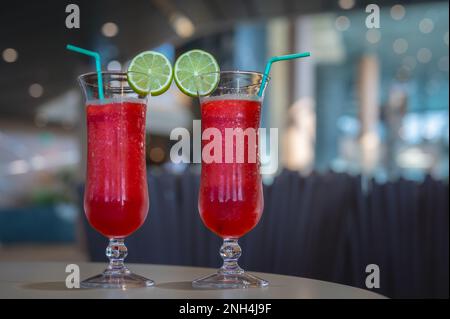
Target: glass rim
pixel 118 73
pixel 90 80
pixel 237 72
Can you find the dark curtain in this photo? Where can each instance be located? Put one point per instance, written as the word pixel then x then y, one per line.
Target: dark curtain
pixel 325 226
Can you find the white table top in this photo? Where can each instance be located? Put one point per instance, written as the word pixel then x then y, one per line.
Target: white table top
pixel 47 280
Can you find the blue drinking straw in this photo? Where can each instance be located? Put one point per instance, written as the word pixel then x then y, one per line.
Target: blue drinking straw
pixel 98 66
pixel 276 59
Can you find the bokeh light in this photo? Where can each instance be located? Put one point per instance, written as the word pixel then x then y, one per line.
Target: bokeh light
pixel 10 55
pixel 424 55
pixel 400 46
pixel 346 4
pixel 398 12
pixel 342 23
pixel 110 29
pixel 36 90
pixel 114 66
pixel 426 25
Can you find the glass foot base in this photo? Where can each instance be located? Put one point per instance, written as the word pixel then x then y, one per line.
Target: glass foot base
pixel 229 281
pixel 117 280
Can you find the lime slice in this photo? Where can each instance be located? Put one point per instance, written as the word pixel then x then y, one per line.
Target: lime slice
pixel 150 71
pixel 191 64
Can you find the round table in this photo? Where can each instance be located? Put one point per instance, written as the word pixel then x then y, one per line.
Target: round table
pixel 47 280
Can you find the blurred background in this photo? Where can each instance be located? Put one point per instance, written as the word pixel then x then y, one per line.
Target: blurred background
pixel 363 135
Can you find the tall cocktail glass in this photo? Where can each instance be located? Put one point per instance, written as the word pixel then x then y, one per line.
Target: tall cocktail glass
pixel 116 198
pixel 230 198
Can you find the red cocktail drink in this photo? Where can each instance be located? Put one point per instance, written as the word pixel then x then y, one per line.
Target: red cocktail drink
pixel 116 197
pixel 231 200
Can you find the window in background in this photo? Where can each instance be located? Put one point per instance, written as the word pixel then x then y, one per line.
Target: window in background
pixel 407 59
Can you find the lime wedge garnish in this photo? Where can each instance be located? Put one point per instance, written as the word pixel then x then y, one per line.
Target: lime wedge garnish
pixel 189 66
pixel 150 72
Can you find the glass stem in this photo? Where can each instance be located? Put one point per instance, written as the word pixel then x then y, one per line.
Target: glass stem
pixel 230 253
pixel 116 252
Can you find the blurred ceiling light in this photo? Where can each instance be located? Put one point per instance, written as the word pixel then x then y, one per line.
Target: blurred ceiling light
pixel 10 55
pixel 182 25
pixel 342 23
pixel 446 38
pixel 373 36
pixel 409 62
pixel 36 90
pixel 424 55
pixel 114 66
pixel 400 46
pixel 346 4
pixel 443 64
pixel 18 167
pixel 398 12
pixel 110 29
pixel 426 25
